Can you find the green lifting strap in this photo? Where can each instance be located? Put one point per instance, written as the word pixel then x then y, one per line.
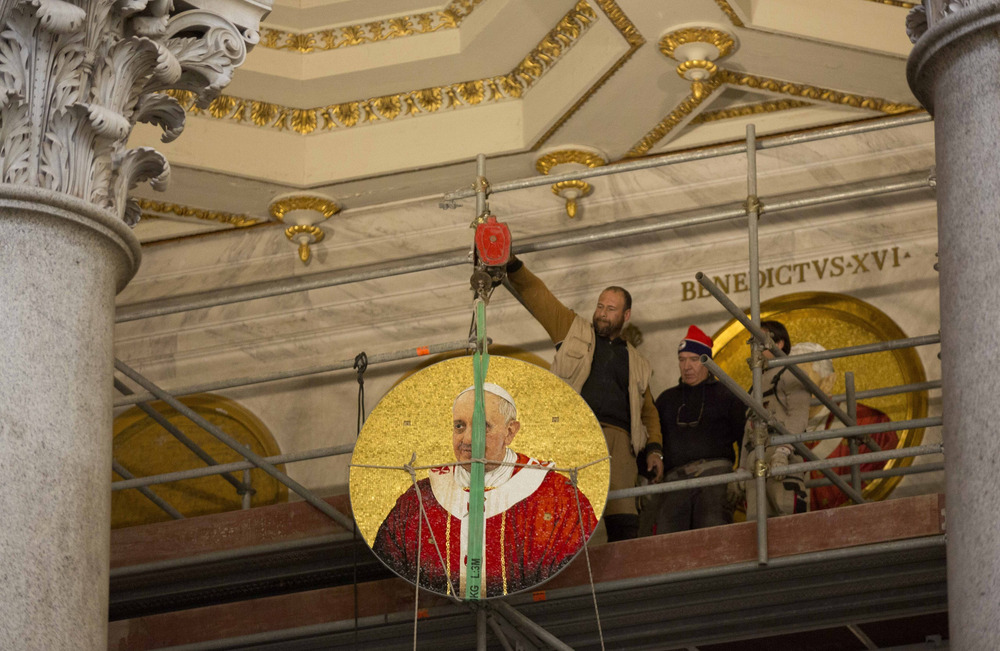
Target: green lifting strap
pixel 477 471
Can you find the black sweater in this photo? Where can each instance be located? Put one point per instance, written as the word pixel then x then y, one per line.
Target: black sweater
pixel 715 418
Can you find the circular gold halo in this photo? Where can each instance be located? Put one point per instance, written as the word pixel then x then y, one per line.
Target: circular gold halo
pixel 837 321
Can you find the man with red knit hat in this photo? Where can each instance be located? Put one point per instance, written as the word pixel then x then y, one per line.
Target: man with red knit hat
pixel 702 423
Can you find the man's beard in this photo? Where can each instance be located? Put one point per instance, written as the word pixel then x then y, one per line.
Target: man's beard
pixel 609 329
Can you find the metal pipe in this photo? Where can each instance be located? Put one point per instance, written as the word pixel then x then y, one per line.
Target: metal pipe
pixel 756 360
pixel 481 626
pixel 679 485
pixel 314 630
pixel 150 495
pixel 381 358
pixel 882 474
pixel 480 185
pixel 857 430
pixel 519 619
pixel 247 494
pixel 498 632
pixel 777 352
pixel 162 421
pixel 852 443
pixel 460 257
pixel 886 391
pixel 228 555
pixel 235 466
pixel 867 457
pixel 250 455
pixel 876 347
pixel 761 411
pixel 703 154
pixel 794 560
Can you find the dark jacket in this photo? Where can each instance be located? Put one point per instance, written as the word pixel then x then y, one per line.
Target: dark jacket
pixel 704 421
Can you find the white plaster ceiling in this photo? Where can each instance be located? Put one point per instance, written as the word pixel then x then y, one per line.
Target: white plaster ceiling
pixel 340 97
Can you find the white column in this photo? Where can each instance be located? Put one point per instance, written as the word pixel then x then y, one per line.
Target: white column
pixel 74 79
pixel 954 70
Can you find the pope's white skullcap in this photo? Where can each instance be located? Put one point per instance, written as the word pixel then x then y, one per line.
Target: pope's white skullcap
pixel 495 389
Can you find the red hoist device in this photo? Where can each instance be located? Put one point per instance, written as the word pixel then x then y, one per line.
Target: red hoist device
pixel 492 250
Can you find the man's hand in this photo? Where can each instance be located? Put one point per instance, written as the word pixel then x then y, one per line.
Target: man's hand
pixel 654 464
pixel 779 459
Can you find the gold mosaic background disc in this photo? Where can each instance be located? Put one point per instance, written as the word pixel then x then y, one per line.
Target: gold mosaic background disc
pixel 839 321
pixel 415 418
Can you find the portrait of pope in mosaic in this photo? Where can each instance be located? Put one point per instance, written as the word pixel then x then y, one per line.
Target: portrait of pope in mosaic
pixel 535 519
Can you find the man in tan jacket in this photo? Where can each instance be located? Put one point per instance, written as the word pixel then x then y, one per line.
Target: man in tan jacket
pixel 593 358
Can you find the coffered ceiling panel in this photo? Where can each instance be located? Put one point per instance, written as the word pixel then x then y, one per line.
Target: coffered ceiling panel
pixel 372 102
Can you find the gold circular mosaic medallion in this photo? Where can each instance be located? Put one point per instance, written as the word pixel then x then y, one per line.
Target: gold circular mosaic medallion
pixel 535 519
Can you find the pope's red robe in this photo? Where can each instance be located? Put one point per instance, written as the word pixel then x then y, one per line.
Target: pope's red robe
pixel 532 529
pixel 828 497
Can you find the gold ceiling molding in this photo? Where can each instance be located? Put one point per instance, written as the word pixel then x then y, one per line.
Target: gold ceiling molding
pixel 156 209
pixel 748 109
pixel 895 3
pixel 722 41
pixel 815 93
pixel 675 117
pixel 380 30
pixel 728 77
pixel 411 103
pixel 730 14
pixel 635 40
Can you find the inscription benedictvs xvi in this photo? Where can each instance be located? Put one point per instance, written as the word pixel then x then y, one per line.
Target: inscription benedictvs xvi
pixel 801 272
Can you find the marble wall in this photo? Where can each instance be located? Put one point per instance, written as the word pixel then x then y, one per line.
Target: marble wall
pixel 803 249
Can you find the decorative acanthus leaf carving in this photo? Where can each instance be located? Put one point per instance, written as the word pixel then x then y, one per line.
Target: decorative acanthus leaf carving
pixel 75 79
pixel 58 16
pixel 134 167
pixel 161 111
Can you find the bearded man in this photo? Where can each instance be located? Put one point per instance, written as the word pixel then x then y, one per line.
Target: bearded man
pixel 613 379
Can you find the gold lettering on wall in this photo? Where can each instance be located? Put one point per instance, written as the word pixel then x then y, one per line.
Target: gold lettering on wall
pixel 819 269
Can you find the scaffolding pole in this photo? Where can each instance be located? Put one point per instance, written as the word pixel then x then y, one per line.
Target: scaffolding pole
pixel 852 443
pixel 518 619
pixel 147 493
pixel 406 353
pixel 867 457
pixel 460 257
pixel 883 474
pixel 235 466
pixel 250 455
pixel 691 156
pixel 242 488
pixel 759 428
pixel 762 412
pixel 885 391
pixel 864 349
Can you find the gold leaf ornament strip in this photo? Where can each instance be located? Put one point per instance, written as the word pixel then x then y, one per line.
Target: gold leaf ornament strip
pixel 748 109
pixel 635 40
pixel 155 209
pixel 810 93
pixel 513 85
pixel 450 17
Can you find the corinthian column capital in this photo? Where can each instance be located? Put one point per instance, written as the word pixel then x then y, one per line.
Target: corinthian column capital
pixel 75 77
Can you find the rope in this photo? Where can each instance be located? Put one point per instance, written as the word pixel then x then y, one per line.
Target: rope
pixel 361 364
pixel 586 554
pixel 452 590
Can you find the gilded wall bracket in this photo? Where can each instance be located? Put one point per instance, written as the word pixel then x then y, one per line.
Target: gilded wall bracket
pixel 303 214
pixel 569 160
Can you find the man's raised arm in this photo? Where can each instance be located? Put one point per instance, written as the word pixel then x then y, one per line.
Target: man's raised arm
pixel 555 317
